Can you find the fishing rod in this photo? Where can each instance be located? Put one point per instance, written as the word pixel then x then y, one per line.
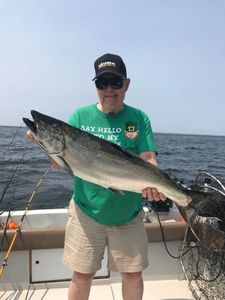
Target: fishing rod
pixel 7 224
pixel 21 221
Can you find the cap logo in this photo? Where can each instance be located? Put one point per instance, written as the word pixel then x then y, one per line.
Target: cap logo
pixel 106 64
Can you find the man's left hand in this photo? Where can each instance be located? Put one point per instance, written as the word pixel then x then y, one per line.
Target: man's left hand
pixel 153 194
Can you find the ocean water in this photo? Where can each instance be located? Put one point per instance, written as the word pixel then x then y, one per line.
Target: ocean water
pixel 22 164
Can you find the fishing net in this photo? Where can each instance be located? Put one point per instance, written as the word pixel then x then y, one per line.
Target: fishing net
pixel 203 267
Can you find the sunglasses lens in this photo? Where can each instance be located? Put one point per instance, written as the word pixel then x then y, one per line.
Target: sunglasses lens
pixel 101 83
pixel 114 82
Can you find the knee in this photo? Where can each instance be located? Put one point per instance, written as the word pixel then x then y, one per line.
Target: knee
pixel 134 276
pixel 82 278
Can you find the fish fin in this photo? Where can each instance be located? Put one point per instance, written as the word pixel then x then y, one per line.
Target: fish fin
pixel 117 191
pixel 62 163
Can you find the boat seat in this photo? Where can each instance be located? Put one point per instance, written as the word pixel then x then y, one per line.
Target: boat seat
pixel 50 238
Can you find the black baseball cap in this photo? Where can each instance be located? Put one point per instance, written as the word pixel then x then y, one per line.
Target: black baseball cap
pixel 110 63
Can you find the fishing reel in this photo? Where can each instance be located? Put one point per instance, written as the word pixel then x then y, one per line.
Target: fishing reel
pixel 150 207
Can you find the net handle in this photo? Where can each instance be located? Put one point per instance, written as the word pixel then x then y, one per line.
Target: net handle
pixel 205 174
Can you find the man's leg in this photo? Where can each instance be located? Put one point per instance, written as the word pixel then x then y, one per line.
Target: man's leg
pixel 85 243
pixel 132 286
pixel 128 254
pixel 80 285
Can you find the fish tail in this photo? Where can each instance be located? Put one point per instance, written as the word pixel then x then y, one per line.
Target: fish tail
pixel 199 199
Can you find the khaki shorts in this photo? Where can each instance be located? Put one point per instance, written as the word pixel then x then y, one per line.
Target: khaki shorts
pixel 86 239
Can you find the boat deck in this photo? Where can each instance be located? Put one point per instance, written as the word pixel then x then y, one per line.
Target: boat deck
pixel 154 290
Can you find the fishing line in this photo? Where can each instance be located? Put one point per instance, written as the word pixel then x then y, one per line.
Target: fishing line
pixel 13 170
pixel 9 180
pixel 9 145
pixel 11 205
pixel 11 176
pixel 21 221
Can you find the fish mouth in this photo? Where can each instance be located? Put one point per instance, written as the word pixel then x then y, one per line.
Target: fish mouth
pixel 30 124
pixel 33 127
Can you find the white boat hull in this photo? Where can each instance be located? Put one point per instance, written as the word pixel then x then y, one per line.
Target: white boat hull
pixel 36 263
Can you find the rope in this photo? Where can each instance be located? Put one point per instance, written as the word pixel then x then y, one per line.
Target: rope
pixel 21 221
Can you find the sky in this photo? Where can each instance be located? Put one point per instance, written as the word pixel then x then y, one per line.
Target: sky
pixel 174 51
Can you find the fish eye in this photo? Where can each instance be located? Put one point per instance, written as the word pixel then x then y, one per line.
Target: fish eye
pixel 42 127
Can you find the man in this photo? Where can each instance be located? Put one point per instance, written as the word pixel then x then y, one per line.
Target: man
pixel 101 217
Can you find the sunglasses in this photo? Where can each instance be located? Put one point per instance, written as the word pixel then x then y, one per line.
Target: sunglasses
pixel 114 82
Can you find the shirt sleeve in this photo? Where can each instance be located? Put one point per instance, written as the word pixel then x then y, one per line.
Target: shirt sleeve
pixel 146 138
pixel 74 119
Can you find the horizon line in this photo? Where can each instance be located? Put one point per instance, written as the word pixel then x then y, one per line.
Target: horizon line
pixel 155 132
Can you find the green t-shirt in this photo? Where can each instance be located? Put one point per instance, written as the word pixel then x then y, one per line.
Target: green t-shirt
pixel 130 129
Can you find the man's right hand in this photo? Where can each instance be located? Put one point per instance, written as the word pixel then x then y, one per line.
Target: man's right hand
pixel 30 136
